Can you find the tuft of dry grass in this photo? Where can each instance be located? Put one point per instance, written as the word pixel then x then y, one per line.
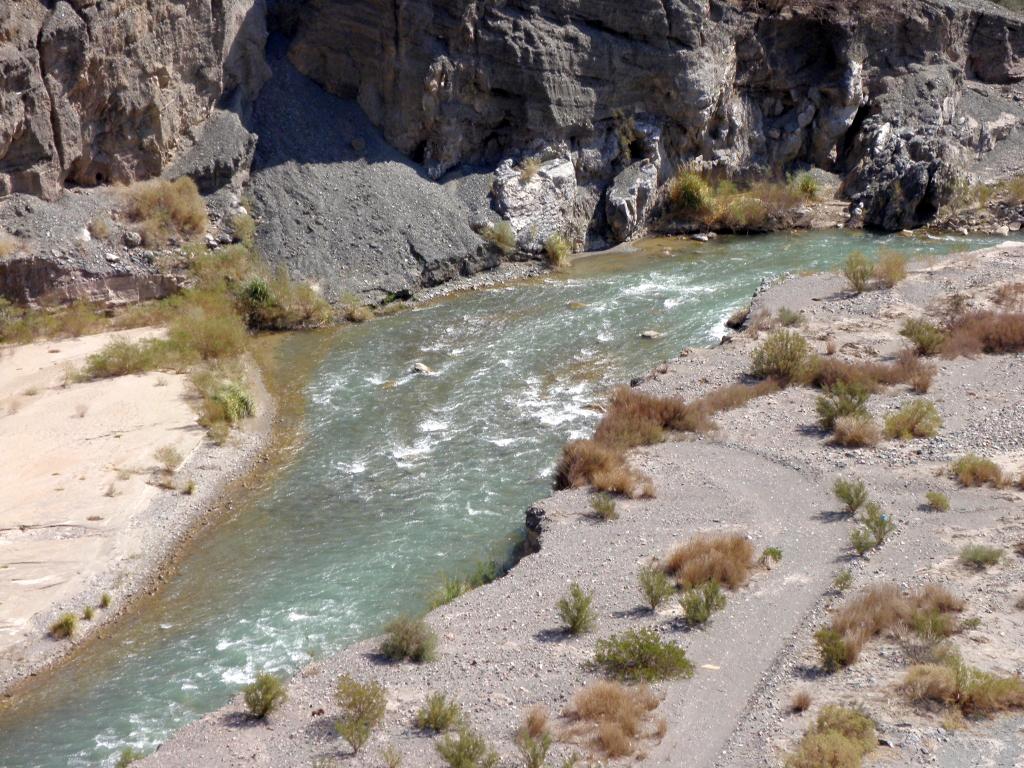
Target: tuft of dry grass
pixel 536 723
pixel 165 210
pixel 973 471
pixel 974 691
pixel 839 738
pixel 856 431
pixel 588 462
pixel 882 608
pixel 993 333
pixel 726 558
pixel 800 701
pixel 918 418
pixel 890 269
pixel 615 717
pixel 1010 296
pixel 783 356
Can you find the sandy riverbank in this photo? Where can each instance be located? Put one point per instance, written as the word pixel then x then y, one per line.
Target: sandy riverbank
pixel 81 512
pixel 766 471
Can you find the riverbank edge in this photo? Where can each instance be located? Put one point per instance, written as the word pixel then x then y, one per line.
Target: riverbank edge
pixel 218 467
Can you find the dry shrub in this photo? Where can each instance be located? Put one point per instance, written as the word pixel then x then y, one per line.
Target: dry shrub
pixel 8 244
pixel 725 557
pixel 800 701
pixel 734 396
pixel 930 682
pixel 587 462
pixel 615 716
pixel 890 269
pixel 634 418
pixel 974 691
pixel 857 431
pixel 917 419
pixel 839 738
pixel 167 209
pixel 826 372
pixel 1010 296
pixel 973 471
pixel 536 723
pixel 882 608
pixel 988 332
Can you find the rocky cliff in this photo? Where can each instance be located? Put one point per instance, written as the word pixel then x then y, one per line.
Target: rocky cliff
pixel 95 92
pixel 392 132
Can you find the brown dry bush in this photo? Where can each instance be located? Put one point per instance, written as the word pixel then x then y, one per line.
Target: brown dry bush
pixel 989 332
pixel 725 557
pixel 857 431
pixel 615 716
pixel 973 471
pixel 635 418
pixel 825 372
pixel 882 608
pixel 1010 295
pixel 536 723
pixel 800 701
pixel 974 691
pixel 166 209
pixel 734 396
pixel 587 462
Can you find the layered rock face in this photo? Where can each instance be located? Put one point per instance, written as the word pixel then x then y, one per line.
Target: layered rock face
pixel 96 92
pixel 869 89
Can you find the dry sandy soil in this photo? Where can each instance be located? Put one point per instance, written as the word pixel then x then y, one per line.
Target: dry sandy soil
pixel 82 512
pixel 768 472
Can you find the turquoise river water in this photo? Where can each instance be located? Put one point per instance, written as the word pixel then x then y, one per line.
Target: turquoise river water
pixel 399 478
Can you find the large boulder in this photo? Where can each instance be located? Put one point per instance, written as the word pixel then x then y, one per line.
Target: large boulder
pixel 630 200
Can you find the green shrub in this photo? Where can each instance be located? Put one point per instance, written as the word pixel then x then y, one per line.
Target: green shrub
pixel 918 418
pixel 208 330
pixel 843 580
pixel 783 356
pixel 937 501
pixel 604 507
pixel 575 610
pixel 409 638
pixel 438 714
pixel 502 235
pixel 973 471
pixel 466 750
pixel 88 613
pixel 825 750
pixel 788 318
pixel 770 555
pixel 363 706
pixel 840 400
pixel 858 270
pixel 807 186
pixel 105 600
pixel 690 194
pixel 980 556
pixel 890 269
pixel 534 749
pixel 926 337
pixel 169 457
pixel 833 649
pixel 128 756
pixel 875 527
pixel 655 585
pixel 122 358
pixel 243 228
pixel 558 249
pixel 640 655
pixel 452 587
pixel 852 493
pixel 64 626
pixel 702 601
pixel 265 694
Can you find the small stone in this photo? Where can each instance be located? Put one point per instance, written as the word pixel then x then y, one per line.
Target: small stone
pixel 422 368
pixel 651 334
pixel 132 239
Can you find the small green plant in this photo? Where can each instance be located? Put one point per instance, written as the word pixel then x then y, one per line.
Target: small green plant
pixel 858 270
pixel 783 356
pixel 502 235
pixel 392 757
pixel 128 756
pixel 980 556
pixel 64 626
pixel 468 749
pixel 105 600
pixel 409 638
pixel 788 317
pixel 702 601
pixel 88 613
pixel 770 555
pixel 843 580
pixel 363 706
pixel 265 694
pixel 438 714
pixel 690 194
pixel 973 471
pixel 558 250
pixel 604 507
pixel 937 501
pixel 655 585
pixel 640 655
pixel 840 400
pixel 576 611
pixel 534 749
pixel 875 527
pixel 927 338
pixel 852 493
pixel 832 648
pixel 918 418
